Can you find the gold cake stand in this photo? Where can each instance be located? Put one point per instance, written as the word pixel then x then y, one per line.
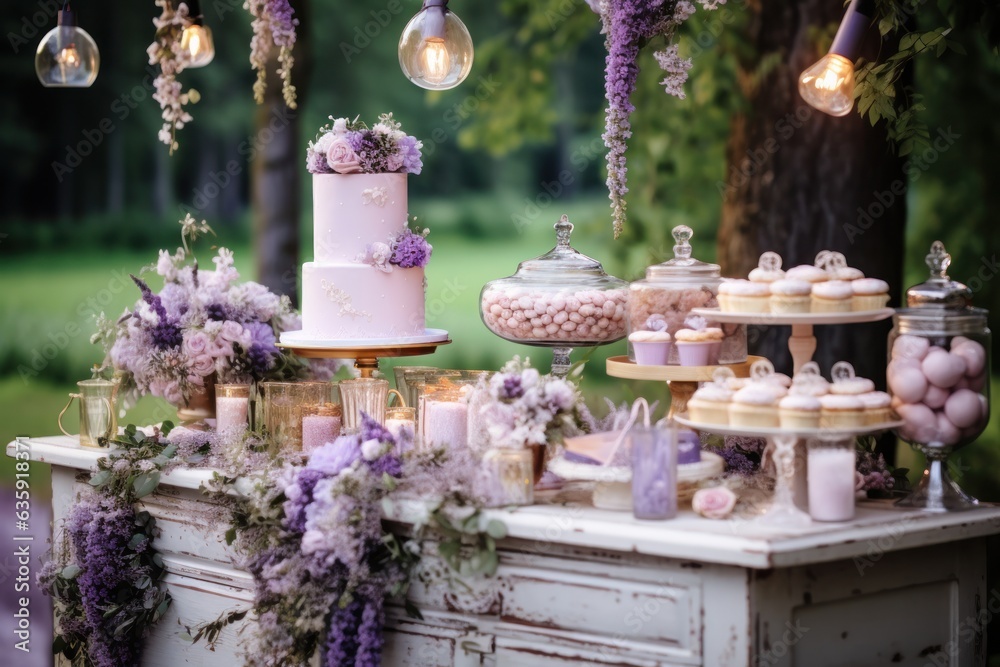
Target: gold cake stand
pixel 682 380
pixel 366 356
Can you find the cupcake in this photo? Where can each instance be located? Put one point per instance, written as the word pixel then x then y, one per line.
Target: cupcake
pixel 797 411
pixel 695 347
pixel 768 269
pixel 832 297
pixel 852 386
pixel 809 382
pixel 791 296
pixel 841 411
pixel 710 404
pixel 808 273
pixel 877 407
pixel 743 296
pixel 869 294
pixel 836 266
pixel 754 406
pixel 652 348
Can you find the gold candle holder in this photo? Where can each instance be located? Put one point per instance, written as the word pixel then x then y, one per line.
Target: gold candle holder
pixel 283 407
pixel 401 421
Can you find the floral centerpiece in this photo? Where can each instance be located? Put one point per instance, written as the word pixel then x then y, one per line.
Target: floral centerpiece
pixel 202 326
pixel 350 147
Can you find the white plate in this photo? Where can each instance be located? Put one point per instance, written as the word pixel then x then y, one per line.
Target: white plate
pixel 798 432
pixel 853 317
pixel 300 339
pixel 711 464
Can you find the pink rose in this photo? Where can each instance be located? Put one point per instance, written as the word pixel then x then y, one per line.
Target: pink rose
pixel 195 343
pixel 203 365
pixel 169 390
pixel 342 158
pixel 714 503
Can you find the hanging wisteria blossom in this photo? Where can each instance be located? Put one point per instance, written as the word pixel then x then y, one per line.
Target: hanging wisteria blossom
pixel 629 25
pixel 273 26
pixel 166 52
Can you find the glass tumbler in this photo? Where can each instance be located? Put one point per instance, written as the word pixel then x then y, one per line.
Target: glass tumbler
pixel 283 406
pixel 98 411
pixel 654 472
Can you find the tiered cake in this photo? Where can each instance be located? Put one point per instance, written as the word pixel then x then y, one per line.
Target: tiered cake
pixel 342 296
pixel 366 280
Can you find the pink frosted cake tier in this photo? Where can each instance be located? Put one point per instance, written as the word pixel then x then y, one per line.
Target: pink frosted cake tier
pixel 347 301
pixel 352 210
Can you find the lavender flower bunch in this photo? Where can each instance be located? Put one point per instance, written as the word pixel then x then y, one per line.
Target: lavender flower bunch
pixel 106 584
pixel 327 564
pixel 166 52
pixel 627 26
pixel 202 324
pixel 520 407
pixel 350 147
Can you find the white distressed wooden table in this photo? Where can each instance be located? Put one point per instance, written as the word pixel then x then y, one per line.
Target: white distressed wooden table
pixel 579 586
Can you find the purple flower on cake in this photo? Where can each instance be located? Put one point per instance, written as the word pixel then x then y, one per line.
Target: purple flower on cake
pixel 348 147
pixel 341 157
pixel 411 250
pixel 714 503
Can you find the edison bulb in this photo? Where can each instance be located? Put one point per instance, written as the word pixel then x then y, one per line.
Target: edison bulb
pixel 67 57
pixel 196 42
pixel 829 85
pixel 435 49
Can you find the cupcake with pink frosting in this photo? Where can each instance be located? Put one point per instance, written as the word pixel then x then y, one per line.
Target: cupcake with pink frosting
pixel 833 296
pixel 755 406
pixel 743 296
pixel 869 294
pixel 699 344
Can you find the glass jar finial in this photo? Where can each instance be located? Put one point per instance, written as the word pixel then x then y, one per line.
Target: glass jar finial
pixel 938 260
pixel 682 241
pixel 563 230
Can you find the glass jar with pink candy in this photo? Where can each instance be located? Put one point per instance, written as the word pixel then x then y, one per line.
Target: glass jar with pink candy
pixel 562 299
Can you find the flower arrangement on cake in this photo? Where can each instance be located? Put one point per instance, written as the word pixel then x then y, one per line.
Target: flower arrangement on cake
pixel 406 250
pixel 350 147
pixel 202 326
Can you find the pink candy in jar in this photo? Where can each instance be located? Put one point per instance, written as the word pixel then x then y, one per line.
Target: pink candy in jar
pixel 934 389
pixel 562 298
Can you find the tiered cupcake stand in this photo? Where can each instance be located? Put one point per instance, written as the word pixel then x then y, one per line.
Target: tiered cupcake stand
pixel 683 381
pixel 802 342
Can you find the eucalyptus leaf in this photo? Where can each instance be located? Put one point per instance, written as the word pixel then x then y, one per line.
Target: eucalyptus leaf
pixel 70 571
pixel 496 529
pixel 146 483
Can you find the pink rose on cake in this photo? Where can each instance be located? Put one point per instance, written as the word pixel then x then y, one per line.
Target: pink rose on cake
pixel 342 158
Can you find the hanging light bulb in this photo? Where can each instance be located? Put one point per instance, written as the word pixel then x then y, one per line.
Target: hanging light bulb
pixel 67 56
pixel 435 49
pixel 196 40
pixel 829 84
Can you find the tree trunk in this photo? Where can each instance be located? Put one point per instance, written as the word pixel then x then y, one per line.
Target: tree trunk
pixel 799 181
pixel 276 174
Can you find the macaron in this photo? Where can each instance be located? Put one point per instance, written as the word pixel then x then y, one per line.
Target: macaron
pixel 943 369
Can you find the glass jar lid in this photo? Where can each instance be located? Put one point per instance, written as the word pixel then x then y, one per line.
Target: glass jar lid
pixel 940 321
pixel 564 262
pixel 939 291
pixel 683 266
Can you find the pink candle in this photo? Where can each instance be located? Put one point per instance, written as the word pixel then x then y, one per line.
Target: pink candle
pixel 317 430
pixel 230 412
pixel 831 483
pixel 446 424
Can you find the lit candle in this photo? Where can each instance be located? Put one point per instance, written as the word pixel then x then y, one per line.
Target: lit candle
pixel 831 480
pixel 445 423
pixel 232 402
pixel 319 429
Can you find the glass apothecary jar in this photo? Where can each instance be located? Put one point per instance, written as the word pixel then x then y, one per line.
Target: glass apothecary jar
pixel 561 300
pixel 664 299
pixel 938 375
